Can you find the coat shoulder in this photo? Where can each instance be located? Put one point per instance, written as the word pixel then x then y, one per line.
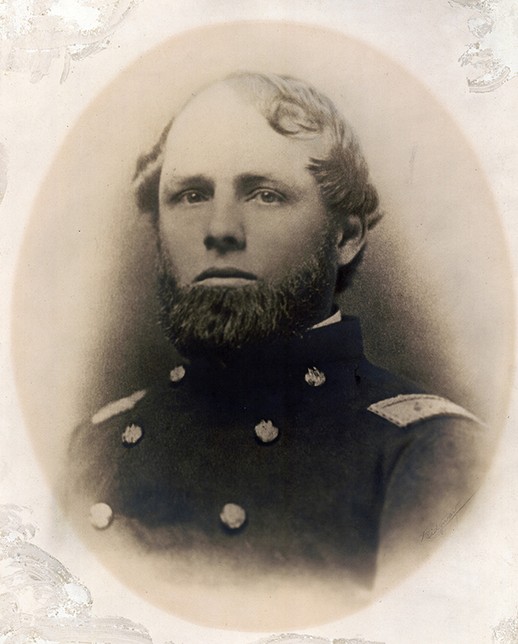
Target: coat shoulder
pixel 403 403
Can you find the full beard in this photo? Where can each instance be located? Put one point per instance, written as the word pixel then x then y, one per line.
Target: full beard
pixel 202 320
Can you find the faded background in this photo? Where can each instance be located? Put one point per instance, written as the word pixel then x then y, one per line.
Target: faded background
pixel 433 294
pixel 447 267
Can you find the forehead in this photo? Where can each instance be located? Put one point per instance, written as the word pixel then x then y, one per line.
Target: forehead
pixel 221 132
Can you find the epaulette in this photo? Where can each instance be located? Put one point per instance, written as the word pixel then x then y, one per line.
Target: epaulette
pixel 407 409
pixel 117 407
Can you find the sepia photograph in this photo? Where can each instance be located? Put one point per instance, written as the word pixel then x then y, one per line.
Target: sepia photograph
pixel 262 328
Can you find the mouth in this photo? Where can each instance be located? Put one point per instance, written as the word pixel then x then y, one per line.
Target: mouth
pixel 226 276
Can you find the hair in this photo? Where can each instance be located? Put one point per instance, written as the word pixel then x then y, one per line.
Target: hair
pixel 294 109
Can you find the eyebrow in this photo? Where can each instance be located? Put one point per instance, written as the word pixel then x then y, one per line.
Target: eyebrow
pixel 248 181
pixel 178 183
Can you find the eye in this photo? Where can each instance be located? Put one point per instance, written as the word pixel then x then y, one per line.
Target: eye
pixel 267 196
pixel 191 197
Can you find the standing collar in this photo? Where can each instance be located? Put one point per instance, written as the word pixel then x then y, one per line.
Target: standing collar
pixel 340 341
pixel 332 319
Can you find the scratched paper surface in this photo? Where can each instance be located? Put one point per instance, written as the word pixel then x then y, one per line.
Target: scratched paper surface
pixel 55 58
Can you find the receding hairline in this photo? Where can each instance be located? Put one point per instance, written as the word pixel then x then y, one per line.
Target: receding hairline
pixel 311 116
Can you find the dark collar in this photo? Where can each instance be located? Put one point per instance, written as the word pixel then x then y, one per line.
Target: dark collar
pixel 341 341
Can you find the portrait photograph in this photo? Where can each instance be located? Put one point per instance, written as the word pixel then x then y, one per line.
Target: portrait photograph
pixel 259 332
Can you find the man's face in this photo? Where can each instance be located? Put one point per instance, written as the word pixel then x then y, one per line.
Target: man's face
pixel 237 204
pixel 241 225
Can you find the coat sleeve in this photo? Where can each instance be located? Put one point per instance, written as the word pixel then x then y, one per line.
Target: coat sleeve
pixel 431 486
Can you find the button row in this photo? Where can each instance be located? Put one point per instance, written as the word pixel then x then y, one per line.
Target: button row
pixel 313 376
pixel 232 516
pixel 265 431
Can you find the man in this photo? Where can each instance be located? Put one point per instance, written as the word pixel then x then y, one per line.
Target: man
pixel 273 444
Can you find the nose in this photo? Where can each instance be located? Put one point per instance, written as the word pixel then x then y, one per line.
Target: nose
pixel 225 232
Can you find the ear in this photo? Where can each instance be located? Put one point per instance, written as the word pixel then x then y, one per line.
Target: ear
pixel 351 237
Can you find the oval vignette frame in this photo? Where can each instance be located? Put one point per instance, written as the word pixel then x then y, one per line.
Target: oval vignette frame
pixel 433 293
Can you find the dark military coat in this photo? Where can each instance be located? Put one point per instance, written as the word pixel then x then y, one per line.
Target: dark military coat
pixel 296 453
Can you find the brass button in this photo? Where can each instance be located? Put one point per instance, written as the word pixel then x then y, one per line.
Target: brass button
pixel 177 374
pixel 266 431
pixel 232 515
pixel 101 515
pixel 314 377
pixel 132 434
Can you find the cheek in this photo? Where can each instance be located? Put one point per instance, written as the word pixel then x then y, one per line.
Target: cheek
pixel 180 234
pixel 179 247
pixel 302 232
pixel 291 247
pixel 174 229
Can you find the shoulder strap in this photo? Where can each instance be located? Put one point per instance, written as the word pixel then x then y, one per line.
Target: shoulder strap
pixel 407 409
pixel 117 407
